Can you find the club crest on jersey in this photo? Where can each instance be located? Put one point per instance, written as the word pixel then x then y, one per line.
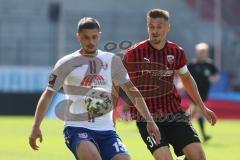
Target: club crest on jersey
pixel 170 59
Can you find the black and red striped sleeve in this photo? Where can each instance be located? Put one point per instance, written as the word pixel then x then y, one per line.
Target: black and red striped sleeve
pixel 181 59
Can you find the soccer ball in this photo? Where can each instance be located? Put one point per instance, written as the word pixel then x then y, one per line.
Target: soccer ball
pixel 98 102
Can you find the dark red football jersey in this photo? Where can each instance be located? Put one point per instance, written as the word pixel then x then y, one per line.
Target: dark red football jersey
pixel 152 72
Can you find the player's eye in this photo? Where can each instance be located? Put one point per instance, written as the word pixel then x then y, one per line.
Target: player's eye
pixel 151 27
pixel 86 37
pixel 94 37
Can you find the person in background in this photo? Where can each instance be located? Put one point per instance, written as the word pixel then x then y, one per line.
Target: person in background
pixel 205 73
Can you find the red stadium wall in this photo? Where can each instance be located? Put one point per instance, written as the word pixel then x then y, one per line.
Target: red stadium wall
pixel 224 109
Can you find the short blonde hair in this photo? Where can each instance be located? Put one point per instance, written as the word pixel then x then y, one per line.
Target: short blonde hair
pixel 201 46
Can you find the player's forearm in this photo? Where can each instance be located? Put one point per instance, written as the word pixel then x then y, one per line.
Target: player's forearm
pixel 143 109
pixel 42 107
pixel 192 90
pixel 138 101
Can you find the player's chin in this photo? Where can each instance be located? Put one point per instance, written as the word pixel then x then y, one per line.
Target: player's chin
pixel 156 40
pixel 91 50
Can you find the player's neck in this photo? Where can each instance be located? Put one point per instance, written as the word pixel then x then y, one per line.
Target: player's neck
pixel 201 60
pixel 88 54
pixel 158 46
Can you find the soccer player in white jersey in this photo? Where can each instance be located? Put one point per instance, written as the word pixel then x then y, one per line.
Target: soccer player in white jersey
pixel 87 77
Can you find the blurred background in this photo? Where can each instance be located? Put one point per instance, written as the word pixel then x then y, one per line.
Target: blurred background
pixel 34 34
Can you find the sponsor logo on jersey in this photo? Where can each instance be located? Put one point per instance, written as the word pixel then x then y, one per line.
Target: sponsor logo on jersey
pixel 93 80
pixel 159 73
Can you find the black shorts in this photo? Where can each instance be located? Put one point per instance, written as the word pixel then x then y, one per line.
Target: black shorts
pixel 176 129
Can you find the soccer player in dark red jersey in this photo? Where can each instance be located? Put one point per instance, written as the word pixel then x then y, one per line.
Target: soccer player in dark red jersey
pixel 151 65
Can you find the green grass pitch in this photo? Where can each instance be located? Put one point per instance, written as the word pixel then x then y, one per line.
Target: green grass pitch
pixel 14 134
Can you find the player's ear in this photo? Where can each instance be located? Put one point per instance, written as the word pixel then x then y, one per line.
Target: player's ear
pixel 77 36
pixel 99 35
pixel 169 27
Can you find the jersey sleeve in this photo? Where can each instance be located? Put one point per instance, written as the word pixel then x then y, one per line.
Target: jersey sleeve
pixel 124 60
pixel 181 60
pixel 190 67
pixel 119 72
pixel 213 69
pixel 56 79
pixel 127 58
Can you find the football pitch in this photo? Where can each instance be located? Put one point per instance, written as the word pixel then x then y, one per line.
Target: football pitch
pixel 14 133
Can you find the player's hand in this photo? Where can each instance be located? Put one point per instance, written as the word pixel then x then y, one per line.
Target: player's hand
pixel 36 133
pixel 153 131
pixel 210 116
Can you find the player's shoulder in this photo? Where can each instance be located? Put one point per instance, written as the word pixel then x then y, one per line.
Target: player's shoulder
pixel 138 45
pixel 105 53
pixel 67 58
pixel 174 46
pixel 105 56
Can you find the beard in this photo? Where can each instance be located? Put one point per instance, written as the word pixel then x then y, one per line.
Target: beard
pixel 155 41
pixel 89 52
pixel 90 49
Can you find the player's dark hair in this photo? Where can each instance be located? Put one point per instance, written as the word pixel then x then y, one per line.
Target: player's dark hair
pixel 88 23
pixel 158 13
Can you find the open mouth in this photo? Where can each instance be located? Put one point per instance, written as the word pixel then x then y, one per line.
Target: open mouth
pixel 155 36
pixel 90 46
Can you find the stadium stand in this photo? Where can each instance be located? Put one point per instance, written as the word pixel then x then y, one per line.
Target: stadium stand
pixel 37 33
